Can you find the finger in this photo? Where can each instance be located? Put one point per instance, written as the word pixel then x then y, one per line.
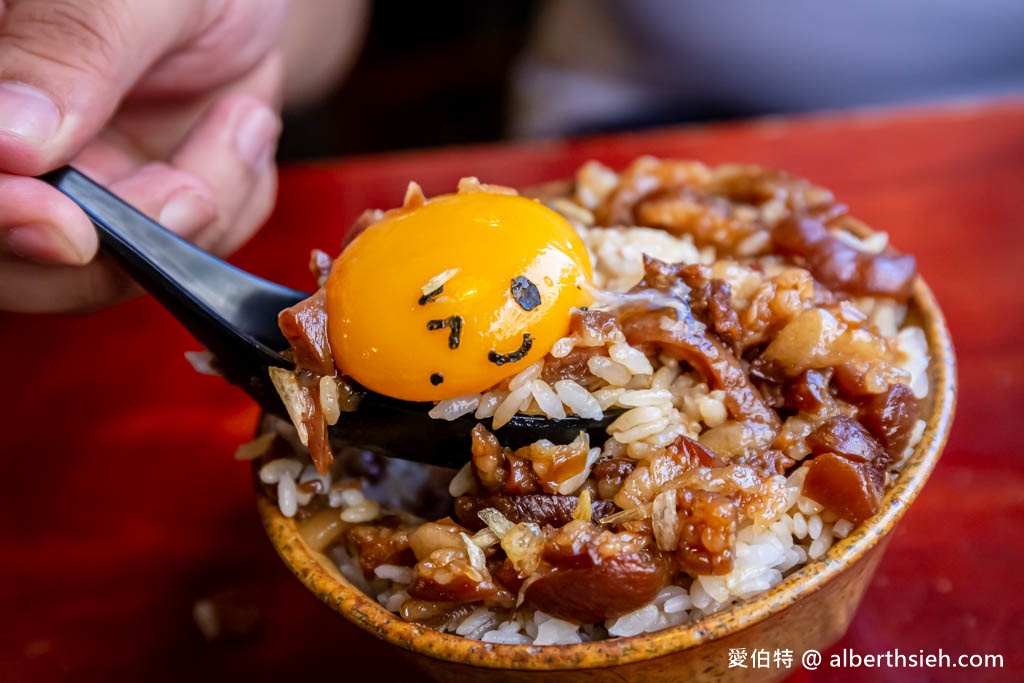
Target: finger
pixel 179 200
pixel 176 199
pixel 36 288
pixel 39 223
pixel 229 156
pixel 65 65
pixel 107 159
pixel 233 39
pixel 253 214
pixel 155 130
pixel 232 151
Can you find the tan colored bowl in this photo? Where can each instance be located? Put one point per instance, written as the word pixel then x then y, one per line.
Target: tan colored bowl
pixel 810 609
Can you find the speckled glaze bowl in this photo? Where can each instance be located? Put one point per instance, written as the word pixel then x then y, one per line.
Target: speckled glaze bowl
pixel 810 609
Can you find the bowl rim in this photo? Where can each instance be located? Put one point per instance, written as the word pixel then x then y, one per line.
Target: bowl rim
pixel 332 588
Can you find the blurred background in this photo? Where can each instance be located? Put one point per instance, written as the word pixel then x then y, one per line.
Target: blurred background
pixel 430 74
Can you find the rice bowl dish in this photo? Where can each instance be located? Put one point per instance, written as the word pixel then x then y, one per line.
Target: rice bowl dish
pixel 752 340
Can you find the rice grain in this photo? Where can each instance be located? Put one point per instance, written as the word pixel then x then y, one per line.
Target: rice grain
pixel 546 399
pixel 578 399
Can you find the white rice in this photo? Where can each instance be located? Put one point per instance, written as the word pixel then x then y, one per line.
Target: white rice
pixel 506 637
pixel 578 400
pixel 454 408
pixel 489 402
pixel 913 346
pixel 636 417
pixel 256 448
pixel 527 376
pixel 644 397
pixel 438 280
pixel 547 400
pixel 358 514
pixel 875 243
pixel 203 362
pixel 552 631
pixel 712 408
pixel 275 470
pixel 619 253
pixel 287 496
pixel 393 572
pixel 480 620
pixel 800 529
pixel 634 623
pixel 329 399
pixel 562 347
pixel 842 528
pixel 463 482
pixel 516 401
pixel 632 359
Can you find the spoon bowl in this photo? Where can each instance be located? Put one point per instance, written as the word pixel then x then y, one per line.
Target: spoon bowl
pixel 234 315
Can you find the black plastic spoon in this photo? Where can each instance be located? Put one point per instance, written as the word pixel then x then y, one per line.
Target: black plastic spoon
pixel 234 315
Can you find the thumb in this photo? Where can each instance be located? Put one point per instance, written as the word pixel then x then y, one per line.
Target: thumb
pixel 66 64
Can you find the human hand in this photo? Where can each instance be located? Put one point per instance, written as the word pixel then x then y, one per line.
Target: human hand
pixel 172 104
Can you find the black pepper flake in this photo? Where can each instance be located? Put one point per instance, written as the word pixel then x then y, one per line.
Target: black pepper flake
pixel 436 378
pixel 517 355
pixel 525 293
pixel 454 324
pixel 430 296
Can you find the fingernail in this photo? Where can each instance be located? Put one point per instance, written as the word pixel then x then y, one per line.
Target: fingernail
pixel 45 244
pixel 256 135
pixel 27 112
pixel 186 211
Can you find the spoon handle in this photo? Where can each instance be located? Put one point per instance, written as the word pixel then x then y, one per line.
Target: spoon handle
pixel 231 312
pixel 170 268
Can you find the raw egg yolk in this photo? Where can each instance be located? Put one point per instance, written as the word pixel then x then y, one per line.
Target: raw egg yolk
pixel 453 296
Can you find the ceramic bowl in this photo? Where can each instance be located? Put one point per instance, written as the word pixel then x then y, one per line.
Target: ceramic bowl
pixel 810 609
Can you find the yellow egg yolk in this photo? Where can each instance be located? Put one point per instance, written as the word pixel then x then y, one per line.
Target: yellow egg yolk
pixel 512 270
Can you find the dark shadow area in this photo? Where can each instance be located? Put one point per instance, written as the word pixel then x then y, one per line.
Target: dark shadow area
pixel 428 75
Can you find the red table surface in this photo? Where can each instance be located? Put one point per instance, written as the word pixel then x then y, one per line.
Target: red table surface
pixel 122 505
